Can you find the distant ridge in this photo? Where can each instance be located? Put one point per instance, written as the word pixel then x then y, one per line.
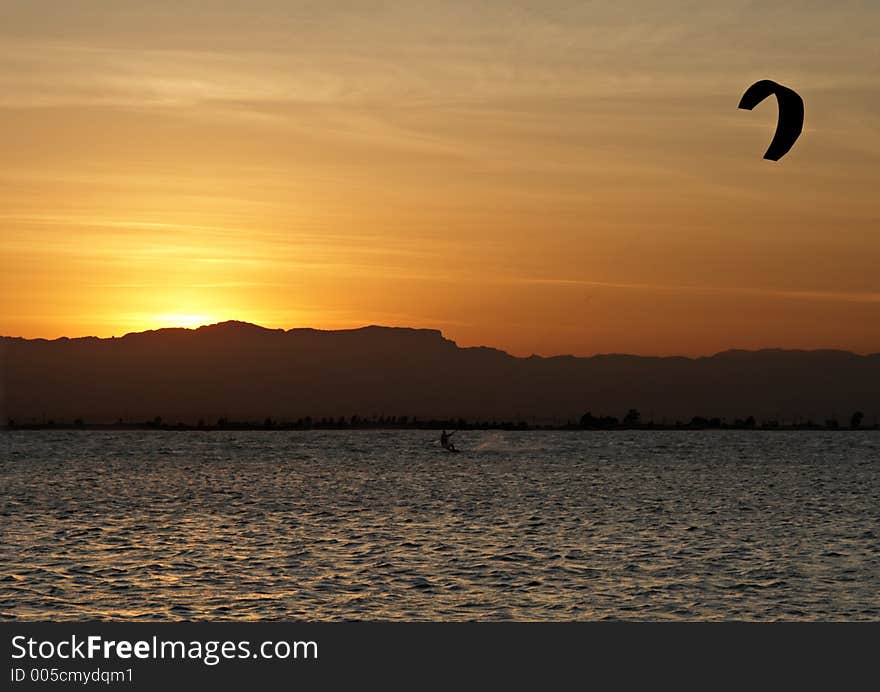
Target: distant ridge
pixel 242 371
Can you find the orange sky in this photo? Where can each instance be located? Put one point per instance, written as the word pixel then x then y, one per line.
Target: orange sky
pixel 545 177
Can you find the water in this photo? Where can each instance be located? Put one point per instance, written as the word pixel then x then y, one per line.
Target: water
pixel 384 526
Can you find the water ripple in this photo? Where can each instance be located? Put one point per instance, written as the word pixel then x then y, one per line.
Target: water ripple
pixel 382 526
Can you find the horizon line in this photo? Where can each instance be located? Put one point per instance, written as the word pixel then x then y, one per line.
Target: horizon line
pixel 244 323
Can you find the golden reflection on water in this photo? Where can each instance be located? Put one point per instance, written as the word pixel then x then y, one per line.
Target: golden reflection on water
pixel 382 526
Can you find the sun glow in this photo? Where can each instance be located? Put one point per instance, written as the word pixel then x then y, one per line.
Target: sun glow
pixel 188 321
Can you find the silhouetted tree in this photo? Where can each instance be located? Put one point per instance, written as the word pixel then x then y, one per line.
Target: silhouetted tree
pixel 632 418
pixel 856 420
pixel 591 422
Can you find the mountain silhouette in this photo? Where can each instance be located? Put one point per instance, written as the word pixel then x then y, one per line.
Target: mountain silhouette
pixel 244 372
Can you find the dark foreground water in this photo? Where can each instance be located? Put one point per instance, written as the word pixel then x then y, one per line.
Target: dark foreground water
pixel 384 526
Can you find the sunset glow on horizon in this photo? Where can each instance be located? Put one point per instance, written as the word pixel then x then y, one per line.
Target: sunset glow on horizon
pixel 543 177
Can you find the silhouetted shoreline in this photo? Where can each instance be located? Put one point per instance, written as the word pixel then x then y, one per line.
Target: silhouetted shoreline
pixel 603 424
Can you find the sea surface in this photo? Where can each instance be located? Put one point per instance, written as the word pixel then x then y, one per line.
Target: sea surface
pixel 384 525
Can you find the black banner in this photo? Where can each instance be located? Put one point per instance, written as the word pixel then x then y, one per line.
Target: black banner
pixel 274 655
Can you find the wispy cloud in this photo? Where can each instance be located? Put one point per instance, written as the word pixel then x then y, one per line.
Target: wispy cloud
pixel 795 294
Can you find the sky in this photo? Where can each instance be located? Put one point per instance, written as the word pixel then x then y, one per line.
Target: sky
pixel 545 177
